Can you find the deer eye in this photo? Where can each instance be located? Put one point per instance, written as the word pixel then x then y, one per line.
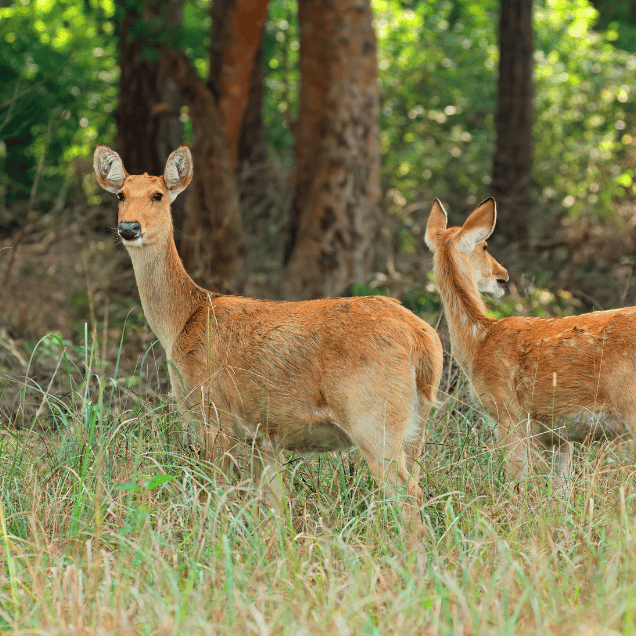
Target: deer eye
pixel 157 196
pixel 120 196
pixel 485 248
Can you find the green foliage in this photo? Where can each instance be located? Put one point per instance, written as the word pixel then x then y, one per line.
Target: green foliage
pixel 58 63
pixel 282 76
pixel 537 302
pixel 360 289
pixel 437 72
pixel 438 69
pixel 618 17
pixel 585 90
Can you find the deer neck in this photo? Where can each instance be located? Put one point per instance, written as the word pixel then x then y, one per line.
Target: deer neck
pixel 168 295
pixel 466 314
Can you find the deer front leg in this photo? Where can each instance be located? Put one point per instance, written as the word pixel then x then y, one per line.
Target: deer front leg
pixel 267 473
pixel 218 444
pixel 513 438
pixel 563 468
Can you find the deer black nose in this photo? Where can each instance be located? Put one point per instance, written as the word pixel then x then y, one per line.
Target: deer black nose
pixel 129 230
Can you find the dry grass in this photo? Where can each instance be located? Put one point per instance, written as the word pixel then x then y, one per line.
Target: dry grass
pixel 109 524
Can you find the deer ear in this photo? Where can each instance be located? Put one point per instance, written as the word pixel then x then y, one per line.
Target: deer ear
pixel 437 221
pixel 108 168
pixel 178 172
pixel 478 226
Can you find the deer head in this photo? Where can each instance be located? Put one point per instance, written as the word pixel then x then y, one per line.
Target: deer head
pixel 468 247
pixel 144 216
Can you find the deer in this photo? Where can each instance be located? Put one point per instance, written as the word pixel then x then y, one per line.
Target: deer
pixel 308 377
pixel 543 382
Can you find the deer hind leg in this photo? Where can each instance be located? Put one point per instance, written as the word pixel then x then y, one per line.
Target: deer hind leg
pixel 382 445
pixel 415 439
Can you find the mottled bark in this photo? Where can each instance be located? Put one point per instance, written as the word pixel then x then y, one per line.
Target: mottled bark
pixel 512 168
pixel 169 128
pixel 251 145
pixel 337 187
pixel 148 128
pixel 213 244
pixel 237 29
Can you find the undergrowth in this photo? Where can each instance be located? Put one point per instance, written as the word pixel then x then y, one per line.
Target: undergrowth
pixel 110 523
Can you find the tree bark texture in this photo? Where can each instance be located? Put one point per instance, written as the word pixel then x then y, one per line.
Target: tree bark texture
pixel 147 116
pixel 254 174
pixel 337 189
pixel 251 144
pixel 237 30
pixel 213 244
pixel 512 169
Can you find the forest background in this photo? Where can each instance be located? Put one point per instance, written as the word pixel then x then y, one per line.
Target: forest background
pixel 80 73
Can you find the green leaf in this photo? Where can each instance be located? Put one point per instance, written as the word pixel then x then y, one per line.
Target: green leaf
pixel 159 480
pixel 129 487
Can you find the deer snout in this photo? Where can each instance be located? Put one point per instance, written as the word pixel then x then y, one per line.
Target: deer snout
pixel 129 230
pixel 502 280
pixel 502 275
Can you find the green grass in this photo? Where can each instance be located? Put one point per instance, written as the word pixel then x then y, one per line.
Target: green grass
pixel 110 524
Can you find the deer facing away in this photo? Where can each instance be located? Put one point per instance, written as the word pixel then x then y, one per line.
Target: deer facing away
pixel 310 376
pixel 555 381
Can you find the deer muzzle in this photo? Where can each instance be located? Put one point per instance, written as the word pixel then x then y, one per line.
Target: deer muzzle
pixel 129 230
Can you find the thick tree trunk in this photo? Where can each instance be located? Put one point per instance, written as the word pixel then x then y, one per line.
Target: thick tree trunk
pixel 237 30
pixel 148 127
pixel 169 128
pixel 213 244
pixel 337 189
pixel 251 144
pixel 138 94
pixel 512 169
pixel 242 109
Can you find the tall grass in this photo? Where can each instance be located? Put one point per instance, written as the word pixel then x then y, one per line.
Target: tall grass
pixel 110 524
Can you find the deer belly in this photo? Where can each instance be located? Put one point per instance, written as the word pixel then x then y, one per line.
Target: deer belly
pixel 579 427
pixel 319 437
pixel 300 437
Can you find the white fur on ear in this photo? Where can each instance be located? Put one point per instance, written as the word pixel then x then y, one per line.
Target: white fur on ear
pixel 178 171
pixel 468 241
pixel 478 226
pixel 108 168
pixel 437 220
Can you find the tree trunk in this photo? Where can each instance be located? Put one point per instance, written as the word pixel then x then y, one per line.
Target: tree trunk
pixel 169 128
pixel 512 169
pixel 251 144
pixel 337 189
pixel 237 30
pixel 213 245
pixel 248 148
pixel 147 116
